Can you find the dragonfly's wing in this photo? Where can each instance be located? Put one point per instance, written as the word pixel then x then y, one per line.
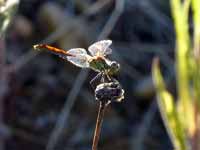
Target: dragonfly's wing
pixel 100 48
pixel 77 51
pixel 80 57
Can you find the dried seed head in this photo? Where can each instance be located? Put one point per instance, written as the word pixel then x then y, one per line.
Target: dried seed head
pixel 109 92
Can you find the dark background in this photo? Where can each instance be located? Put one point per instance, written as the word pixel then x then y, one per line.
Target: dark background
pixel 48 101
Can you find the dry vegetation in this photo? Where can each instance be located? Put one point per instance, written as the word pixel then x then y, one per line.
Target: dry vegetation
pixel 47 102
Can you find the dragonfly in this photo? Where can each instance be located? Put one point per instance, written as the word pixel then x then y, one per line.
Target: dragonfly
pixel 95 59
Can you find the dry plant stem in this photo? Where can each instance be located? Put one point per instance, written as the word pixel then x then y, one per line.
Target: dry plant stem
pixel 2 86
pixel 144 127
pixel 102 108
pixel 66 110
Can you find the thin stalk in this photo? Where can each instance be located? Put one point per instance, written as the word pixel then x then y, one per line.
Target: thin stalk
pixel 102 108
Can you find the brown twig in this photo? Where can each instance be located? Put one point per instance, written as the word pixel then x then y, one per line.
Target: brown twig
pixel 102 108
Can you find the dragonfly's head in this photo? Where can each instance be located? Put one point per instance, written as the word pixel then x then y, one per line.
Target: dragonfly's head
pixel 114 67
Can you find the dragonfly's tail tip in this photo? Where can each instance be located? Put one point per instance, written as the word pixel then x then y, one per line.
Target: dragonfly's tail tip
pixel 36 46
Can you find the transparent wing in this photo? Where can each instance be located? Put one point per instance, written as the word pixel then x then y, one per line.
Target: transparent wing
pixel 80 60
pixel 77 51
pixel 100 48
pixel 80 57
pixel 107 51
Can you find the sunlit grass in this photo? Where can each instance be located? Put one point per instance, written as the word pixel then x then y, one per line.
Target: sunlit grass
pixel 182 118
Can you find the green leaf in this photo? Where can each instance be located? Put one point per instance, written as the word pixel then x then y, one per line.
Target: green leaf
pixel 168 110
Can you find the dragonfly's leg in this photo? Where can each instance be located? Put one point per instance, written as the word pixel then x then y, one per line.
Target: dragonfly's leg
pixel 103 78
pixel 96 80
pixel 108 77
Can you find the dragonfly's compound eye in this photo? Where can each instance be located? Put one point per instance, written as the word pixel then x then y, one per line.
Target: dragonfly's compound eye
pixel 115 66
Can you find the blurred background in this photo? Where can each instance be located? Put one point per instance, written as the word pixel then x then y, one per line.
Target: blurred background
pixel 48 103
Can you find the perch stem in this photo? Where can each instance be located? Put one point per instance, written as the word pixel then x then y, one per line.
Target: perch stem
pixel 99 122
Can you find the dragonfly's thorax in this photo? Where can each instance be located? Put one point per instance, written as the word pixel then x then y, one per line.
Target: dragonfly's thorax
pixel 99 64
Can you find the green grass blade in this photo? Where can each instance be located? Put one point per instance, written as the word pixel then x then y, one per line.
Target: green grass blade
pixel 168 110
pixel 196 71
pixel 183 52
